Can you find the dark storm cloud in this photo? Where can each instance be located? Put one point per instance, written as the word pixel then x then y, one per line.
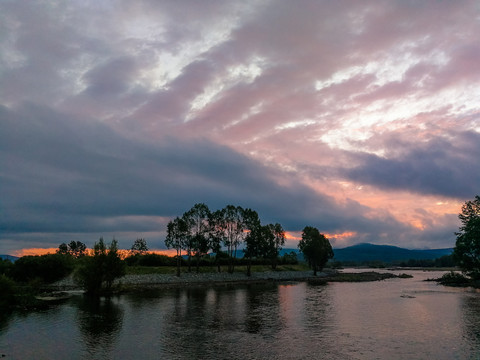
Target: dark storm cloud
pixel 439 167
pixel 116 116
pixel 61 175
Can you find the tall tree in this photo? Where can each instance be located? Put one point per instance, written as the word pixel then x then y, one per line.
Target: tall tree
pixel 467 246
pixel 229 227
pixel 177 232
pixel 316 248
pixel 216 235
pixel 275 242
pixel 197 220
pixel 252 238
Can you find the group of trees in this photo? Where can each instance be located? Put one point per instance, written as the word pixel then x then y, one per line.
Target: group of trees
pixel 200 230
pixel 96 273
pixel 467 246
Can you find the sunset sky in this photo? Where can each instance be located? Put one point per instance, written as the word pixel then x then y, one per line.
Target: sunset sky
pixel 361 118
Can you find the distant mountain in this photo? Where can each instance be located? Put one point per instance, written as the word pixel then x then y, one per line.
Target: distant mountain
pixel 386 253
pixel 9 257
pixel 369 252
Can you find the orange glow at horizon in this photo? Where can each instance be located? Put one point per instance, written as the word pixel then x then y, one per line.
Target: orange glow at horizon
pixel 34 251
pixel 123 253
pixel 291 236
pixel 343 235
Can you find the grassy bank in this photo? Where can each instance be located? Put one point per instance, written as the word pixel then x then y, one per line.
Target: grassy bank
pixel 145 270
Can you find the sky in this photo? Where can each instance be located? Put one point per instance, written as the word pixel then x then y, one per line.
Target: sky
pixel 360 118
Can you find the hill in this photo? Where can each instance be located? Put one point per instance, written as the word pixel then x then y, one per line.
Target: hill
pixel 386 253
pixel 365 252
pixel 9 257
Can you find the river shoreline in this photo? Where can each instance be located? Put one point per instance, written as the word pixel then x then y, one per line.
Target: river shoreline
pixel 158 281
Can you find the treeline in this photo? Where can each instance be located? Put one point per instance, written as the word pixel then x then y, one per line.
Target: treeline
pixel 211 238
pixel 222 232
pixel 94 270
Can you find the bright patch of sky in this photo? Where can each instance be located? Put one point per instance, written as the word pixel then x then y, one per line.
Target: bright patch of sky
pixel 245 73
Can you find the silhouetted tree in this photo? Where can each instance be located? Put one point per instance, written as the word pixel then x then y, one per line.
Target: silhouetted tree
pixel 467 246
pixel 275 242
pixel 139 247
pixel 315 248
pixel 197 220
pixel 177 231
pixel 98 272
pixel 252 238
pixel 75 248
pixel 230 228
pixel 215 236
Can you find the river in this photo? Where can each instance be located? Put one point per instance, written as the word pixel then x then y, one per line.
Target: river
pixel 390 319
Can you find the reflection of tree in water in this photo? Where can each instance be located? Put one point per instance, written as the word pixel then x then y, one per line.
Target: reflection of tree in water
pixel 471 320
pixel 207 322
pixel 262 311
pixel 100 321
pixel 185 330
pixel 5 317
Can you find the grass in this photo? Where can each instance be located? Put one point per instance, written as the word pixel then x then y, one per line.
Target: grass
pixel 143 270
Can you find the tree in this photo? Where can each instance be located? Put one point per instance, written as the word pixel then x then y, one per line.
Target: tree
pixel 315 248
pixel 98 272
pixel 215 236
pixel 467 246
pixel 230 228
pixel 139 247
pixel 252 239
pixel 75 248
pixel 197 220
pixel 276 241
pixel 176 238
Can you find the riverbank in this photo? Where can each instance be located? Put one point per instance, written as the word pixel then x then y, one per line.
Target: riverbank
pixel 154 281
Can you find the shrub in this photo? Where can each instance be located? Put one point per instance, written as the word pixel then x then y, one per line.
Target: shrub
pixel 454 279
pixel 7 292
pixel 46 268
pixel 98 272
pixel 5 266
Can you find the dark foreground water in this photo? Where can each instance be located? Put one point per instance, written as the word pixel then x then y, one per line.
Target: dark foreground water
pixel 392 319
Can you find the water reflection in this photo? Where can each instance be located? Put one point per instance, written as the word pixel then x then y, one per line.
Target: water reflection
pixel 471 320
pixel 262 312
pixel 5 317
pixel 99 321
pixel 276 321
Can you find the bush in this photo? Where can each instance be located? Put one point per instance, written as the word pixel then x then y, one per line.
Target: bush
pixel 98 272
pixel 156 260
pixel 7 292
pixel 46 268
pixel 5 267
pixel 454 279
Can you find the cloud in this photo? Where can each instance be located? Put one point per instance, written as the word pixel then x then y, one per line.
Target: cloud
pixel 438 167
pixel 344 115
pixel 67 176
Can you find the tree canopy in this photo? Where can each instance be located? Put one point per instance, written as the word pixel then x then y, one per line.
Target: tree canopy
pixel 139 247
pixel 467 246
pixel 74 248
pixel 315 248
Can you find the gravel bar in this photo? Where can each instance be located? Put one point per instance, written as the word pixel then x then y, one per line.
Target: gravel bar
pixel 223 278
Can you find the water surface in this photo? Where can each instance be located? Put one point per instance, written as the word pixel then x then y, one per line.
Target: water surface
pixel 391 319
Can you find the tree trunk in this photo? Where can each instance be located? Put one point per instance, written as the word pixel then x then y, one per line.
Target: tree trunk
pixel 249 267
pixel 189 261
pixel 179 258
pixel 218 263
